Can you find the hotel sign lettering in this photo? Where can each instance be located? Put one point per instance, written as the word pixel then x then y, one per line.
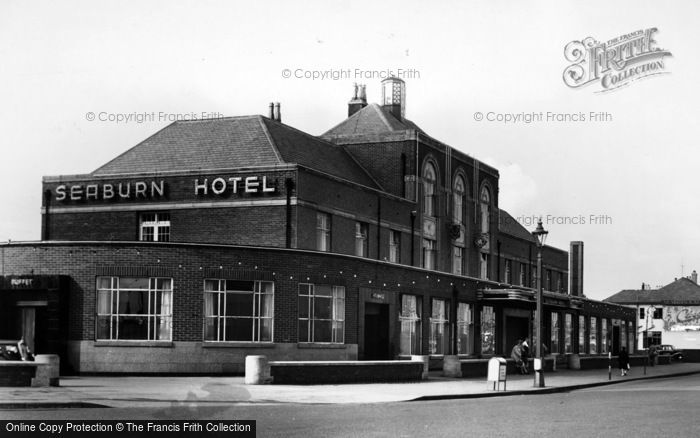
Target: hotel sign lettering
pixel 158 189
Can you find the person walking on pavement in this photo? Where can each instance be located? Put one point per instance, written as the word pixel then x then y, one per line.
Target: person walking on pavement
pixel 517 355
pixel 623 360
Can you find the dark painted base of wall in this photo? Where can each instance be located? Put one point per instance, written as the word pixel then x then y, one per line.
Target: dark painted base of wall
pixel 16 375
pixel 305 374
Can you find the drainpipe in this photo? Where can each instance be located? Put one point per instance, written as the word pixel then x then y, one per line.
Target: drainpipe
pixel 379 227
pixel 289 185
pixel 413 238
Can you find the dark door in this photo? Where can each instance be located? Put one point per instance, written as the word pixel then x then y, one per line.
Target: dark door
pixel 616 339
pixel 516 328
pixel 376 332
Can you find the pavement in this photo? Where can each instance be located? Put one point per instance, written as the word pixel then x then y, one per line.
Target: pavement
pixel 121 392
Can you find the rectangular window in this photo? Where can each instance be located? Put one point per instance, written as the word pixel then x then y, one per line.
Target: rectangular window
pixel 560 282
pixel 484 266
pixel 604 335
pixel 651 338
pixel 488 330
pixel 410 320
pixel 394 246
pixel 323 232
pixel 361 239
pixel 523 274
pixel 155 227
pixel 457 260
pixel 134 309
pixel 321 313
pixel 439 327
pixel 623 333
pixel 555 333
pixel 508 272
pixel 582 334
pixel 630 336
pixel 568 329
pixel 641 313
pixel 658 313
pixel 464 328
pixel 238 311
pixel 593 336
pixel 429 254
pixel 548 280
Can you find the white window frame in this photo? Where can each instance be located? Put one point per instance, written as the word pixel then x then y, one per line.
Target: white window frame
pixel 159 226
pixel 361 239
pixel 410 317
pixel 220 295
pixel 394 246
pixel 337 319
pixel 323 232
pixel 109 295
pixel 464 328
pixel 439 324
pixel 429 185
pixel 429 254
pixel 457 260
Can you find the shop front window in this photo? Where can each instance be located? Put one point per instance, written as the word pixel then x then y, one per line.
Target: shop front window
pixel 410 320
pixel 488 330
pixel 593 336
pixel 134 309
pixel 581 334
pixel 555 333
pixel 238 311
pixel 464 328
pixel 568 329
pixel 604 335
pixel 439 327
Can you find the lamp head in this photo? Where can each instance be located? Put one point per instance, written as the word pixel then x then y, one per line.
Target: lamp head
pixel 540 233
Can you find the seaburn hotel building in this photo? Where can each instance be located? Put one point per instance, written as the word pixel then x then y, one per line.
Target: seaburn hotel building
pixel 215 239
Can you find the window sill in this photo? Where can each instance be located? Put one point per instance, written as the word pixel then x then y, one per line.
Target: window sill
pixel 321 345
pixel 160 344
pixel 215 344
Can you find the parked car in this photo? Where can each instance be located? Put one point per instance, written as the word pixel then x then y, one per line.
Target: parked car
pixel 669 350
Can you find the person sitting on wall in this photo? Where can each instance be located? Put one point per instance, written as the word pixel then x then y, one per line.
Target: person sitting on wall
pixel 24 352
pixel 517 355
pixel 525 355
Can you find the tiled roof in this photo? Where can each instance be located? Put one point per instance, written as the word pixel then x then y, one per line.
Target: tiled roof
pixel 372 119
pixel 299 147
pixel 683 289
pixel 508 225
pixel 234 142
pixel 198 144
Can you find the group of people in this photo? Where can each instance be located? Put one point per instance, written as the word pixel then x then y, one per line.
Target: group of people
pixel 521 355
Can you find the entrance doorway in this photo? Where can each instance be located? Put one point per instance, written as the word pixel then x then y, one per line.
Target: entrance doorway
pixel 31 324
pixel 616 340
pixel 376 332
pixel 516 328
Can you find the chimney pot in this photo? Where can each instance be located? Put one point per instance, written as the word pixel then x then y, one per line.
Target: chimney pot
pixel 358 101
pixel 272 111
pixel 694 276
pixel 277 113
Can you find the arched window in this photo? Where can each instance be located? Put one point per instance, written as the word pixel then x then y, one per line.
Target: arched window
pixel 429 178
pixel 458 200
pixel 485 209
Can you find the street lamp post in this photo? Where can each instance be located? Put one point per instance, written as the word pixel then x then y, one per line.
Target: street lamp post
pixel 540 236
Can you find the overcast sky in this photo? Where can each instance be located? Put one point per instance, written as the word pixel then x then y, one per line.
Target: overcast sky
pixel 60 61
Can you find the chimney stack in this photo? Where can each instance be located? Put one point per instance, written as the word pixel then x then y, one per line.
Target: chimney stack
pixel 358 101
pixel 576 269
pixel 277 113
pixel 694 277
pixel 394 96
pixel 272 111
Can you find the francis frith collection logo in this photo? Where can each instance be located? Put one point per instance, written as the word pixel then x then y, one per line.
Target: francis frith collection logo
pixel 614 63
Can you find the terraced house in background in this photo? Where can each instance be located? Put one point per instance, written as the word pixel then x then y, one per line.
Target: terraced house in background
pixel 215 239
